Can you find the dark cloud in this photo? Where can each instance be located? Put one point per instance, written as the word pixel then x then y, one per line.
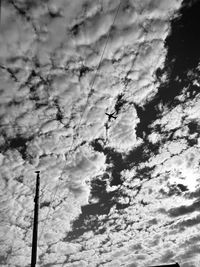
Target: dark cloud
pixel 183 210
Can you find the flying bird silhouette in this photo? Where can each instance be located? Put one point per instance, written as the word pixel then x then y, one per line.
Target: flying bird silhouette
pixel 110 115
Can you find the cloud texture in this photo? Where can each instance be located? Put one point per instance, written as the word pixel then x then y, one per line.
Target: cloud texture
pixel 121 192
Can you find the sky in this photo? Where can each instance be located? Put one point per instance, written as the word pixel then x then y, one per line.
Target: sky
pixel 118 192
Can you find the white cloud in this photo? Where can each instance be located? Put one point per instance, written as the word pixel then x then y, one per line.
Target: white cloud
pixel 56 48
pixel 121 134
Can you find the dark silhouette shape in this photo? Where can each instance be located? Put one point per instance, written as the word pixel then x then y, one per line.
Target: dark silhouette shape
pixel 35 223
pixel 167 265
pixel 111 116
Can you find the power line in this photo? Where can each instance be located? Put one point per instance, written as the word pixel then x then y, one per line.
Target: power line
pixel 53 195
pixel 90 93
pixel 101 58
pixel 78 126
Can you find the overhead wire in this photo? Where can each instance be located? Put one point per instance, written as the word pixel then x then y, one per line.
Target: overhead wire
pixel 100 61
pixel 78 126
pixel 54 194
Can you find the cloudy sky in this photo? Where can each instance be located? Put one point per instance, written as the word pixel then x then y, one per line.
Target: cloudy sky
pixel 118 192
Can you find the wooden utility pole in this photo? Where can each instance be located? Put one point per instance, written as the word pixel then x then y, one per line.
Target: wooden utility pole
pixel 167 265
pixel 35 224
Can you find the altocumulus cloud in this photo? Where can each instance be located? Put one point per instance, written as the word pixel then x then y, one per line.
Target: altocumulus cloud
pixel 54 95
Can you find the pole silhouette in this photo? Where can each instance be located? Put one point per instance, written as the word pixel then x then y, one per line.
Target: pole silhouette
pixel 35 225
pixel 167 265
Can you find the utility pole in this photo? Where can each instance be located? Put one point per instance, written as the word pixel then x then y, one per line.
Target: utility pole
pixel 167 265
pixel 35 225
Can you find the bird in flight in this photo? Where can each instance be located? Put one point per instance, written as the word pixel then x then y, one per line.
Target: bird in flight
pixel 111 116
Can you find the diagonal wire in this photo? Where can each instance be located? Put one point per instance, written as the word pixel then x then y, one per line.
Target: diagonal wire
pixel 53 195
pixel 97 69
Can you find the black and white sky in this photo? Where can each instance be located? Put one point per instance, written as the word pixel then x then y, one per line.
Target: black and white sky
pixel 118 192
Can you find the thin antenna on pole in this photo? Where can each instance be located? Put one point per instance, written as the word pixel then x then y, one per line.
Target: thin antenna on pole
pixel 35 225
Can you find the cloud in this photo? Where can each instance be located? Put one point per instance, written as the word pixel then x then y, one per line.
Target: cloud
pixel 121 134
pixel 54 95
